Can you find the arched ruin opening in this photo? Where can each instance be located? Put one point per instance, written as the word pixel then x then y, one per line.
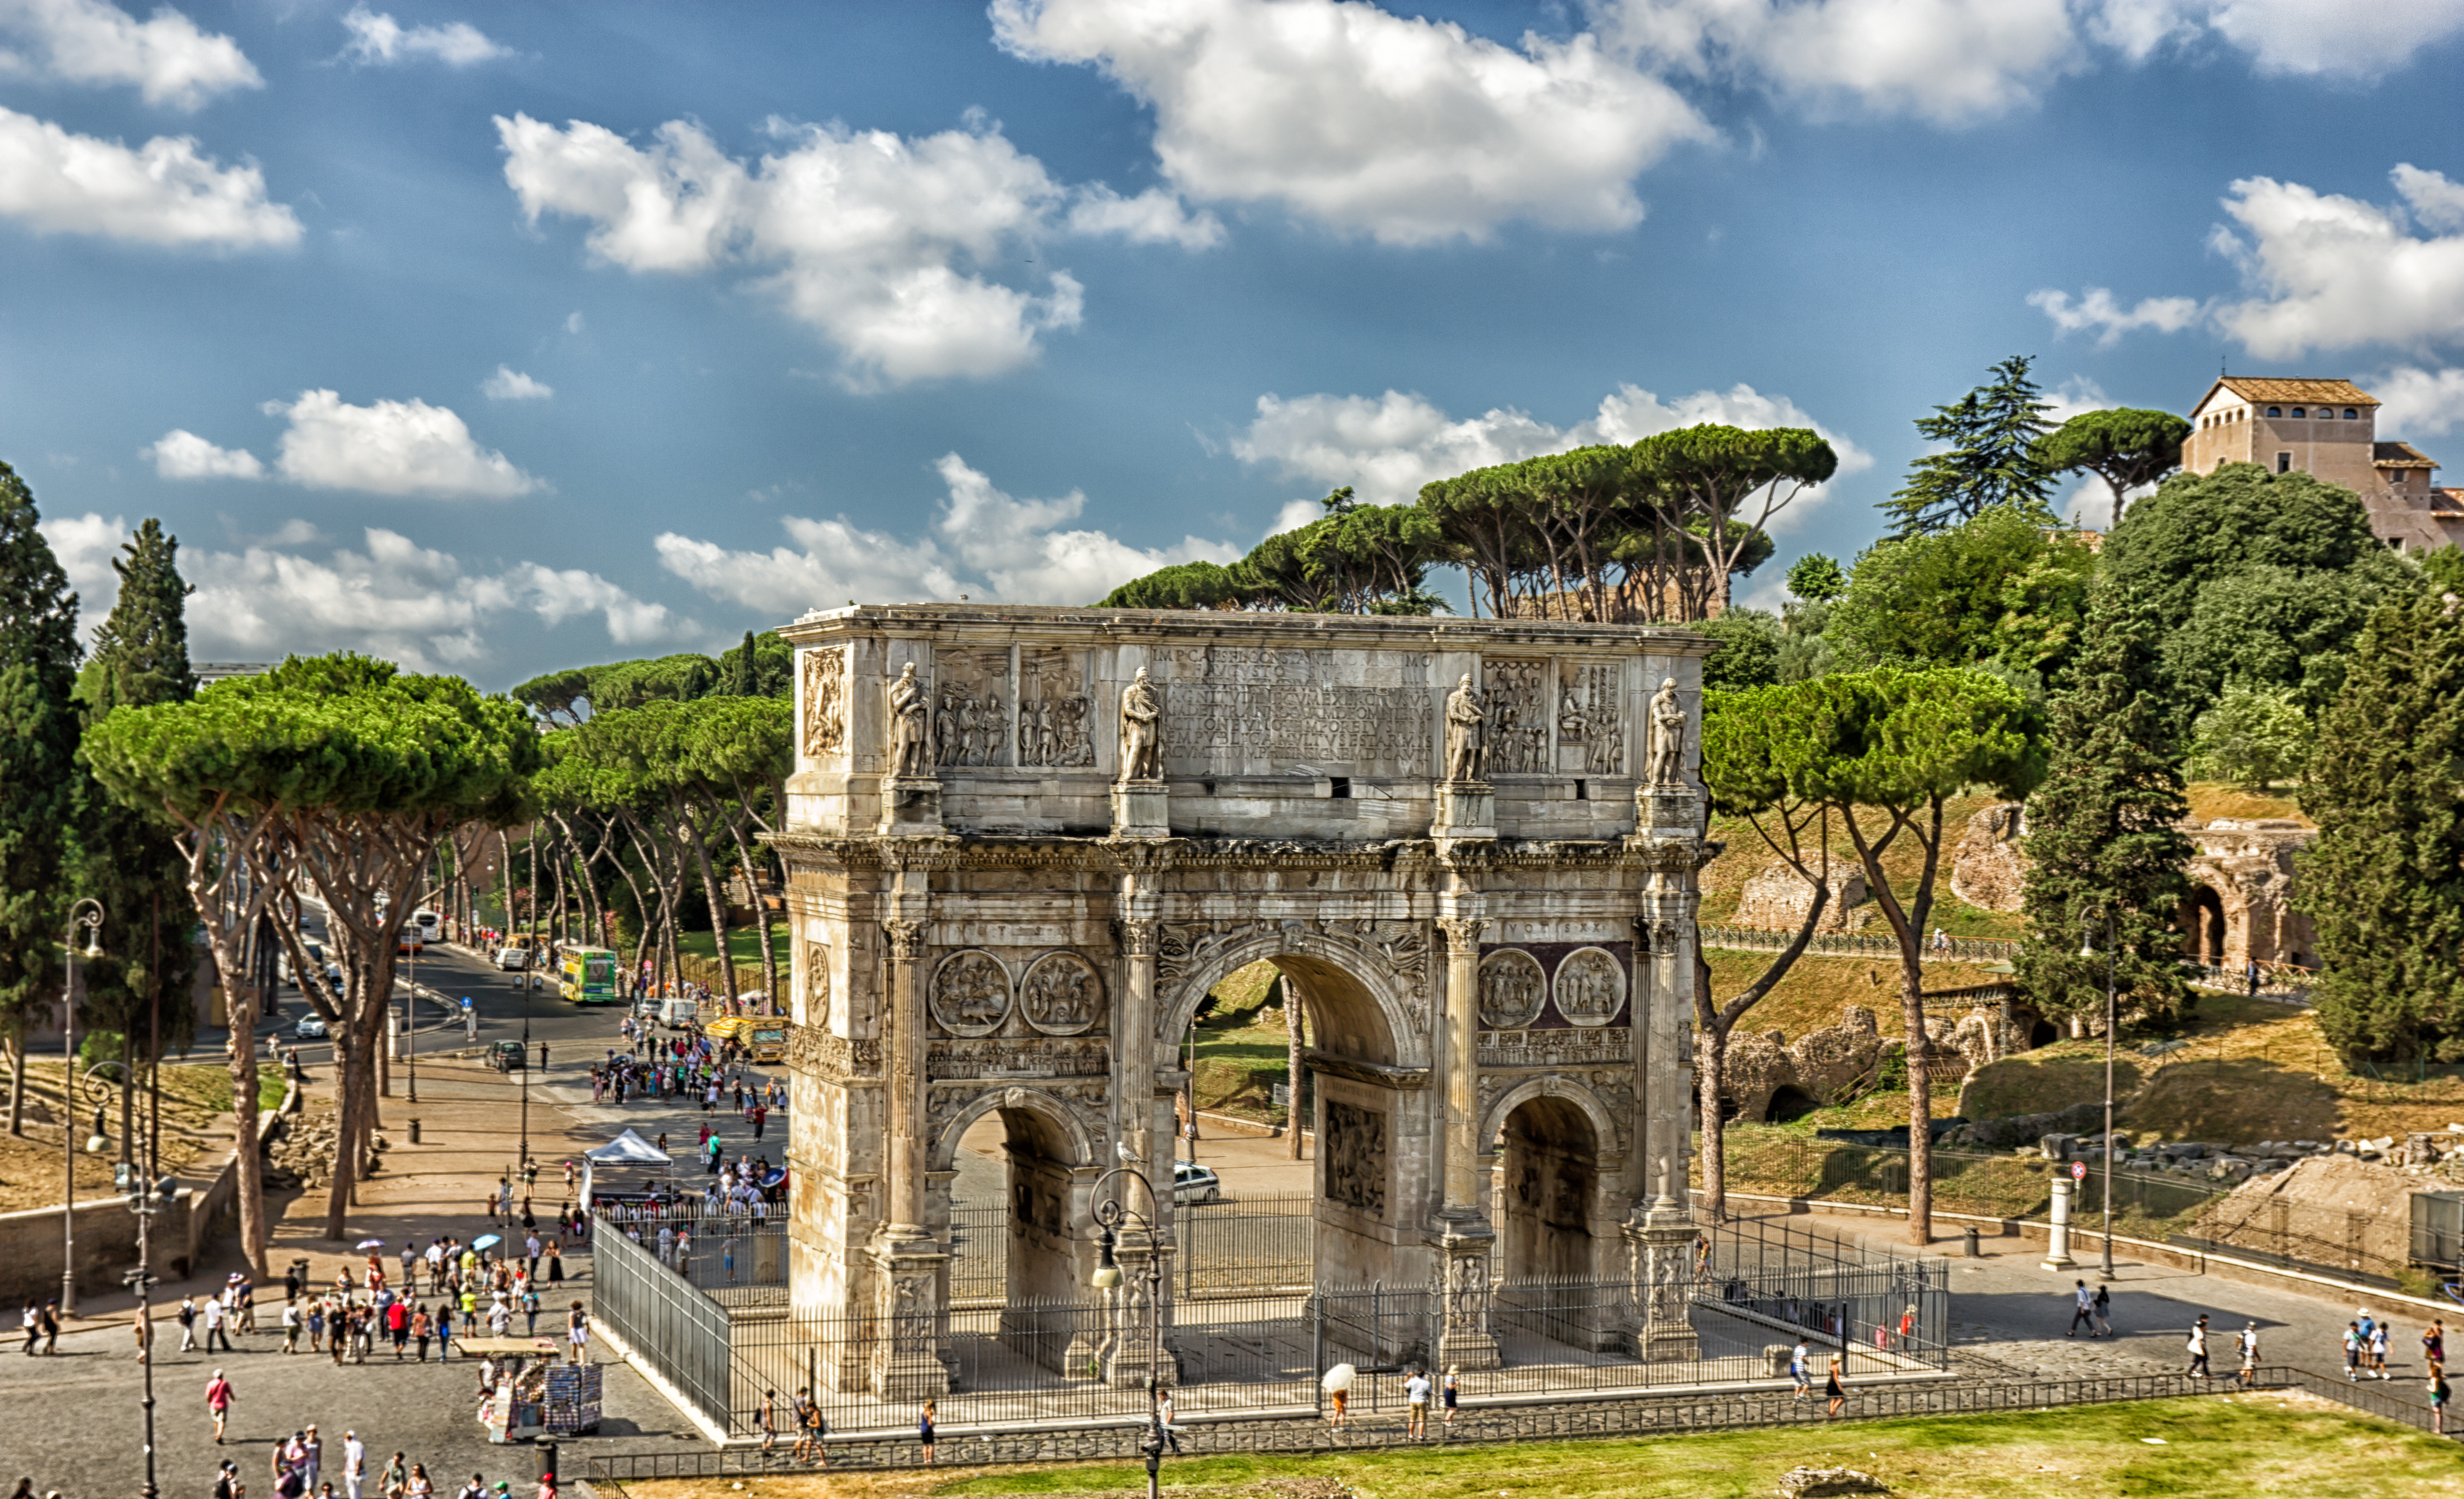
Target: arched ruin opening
pixel 1548 1176
pixel 2203 926
pixel 1790 1104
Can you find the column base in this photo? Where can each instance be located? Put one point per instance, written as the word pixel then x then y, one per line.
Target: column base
pixel 910 804
pixel 1141 809
pixel 1663 1247
pixel 1465 809
pixel 906 1357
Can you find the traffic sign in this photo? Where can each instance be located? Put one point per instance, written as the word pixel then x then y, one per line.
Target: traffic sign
pixel 466 1002
pixel 2079 1171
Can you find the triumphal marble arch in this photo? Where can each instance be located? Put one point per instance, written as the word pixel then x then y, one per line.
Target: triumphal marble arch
pixel 1022 844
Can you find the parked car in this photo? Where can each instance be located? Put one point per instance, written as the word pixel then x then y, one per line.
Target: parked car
pixel 513 960
pixel 1192 1182
pixel 311 1027
pixel 507 1056
pixel 409 942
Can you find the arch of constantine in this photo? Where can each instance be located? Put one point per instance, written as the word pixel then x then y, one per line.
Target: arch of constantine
pixel 1022 844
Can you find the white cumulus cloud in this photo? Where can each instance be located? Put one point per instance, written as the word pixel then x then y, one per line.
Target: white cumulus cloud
pixel 985 543
pixel 882 243
pixel 509 384
pixel 2353 40
pixel 1948 62
pixel 1407 129
pixel 2098 308
pixel 394 599
pixel 376 37
pixel 2330 272
pixel 163 192
pixel 390 448
pixel 2419 403
pixel 1386 447
pixel 167 57
pixel 85 545
pixel 182 455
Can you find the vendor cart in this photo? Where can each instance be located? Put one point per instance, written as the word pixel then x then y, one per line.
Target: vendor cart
pixel 530 1391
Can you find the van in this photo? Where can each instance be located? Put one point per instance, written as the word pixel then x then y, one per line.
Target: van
pixel 431 926
pixel 678 1013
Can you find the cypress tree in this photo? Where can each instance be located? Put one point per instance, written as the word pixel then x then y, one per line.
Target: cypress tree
pixel 739 671
pixel 126 857
pixel 2103 831
pixel 38 737
pixel 2384 882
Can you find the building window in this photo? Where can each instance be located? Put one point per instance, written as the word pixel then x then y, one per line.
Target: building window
pixel 2284 463
pixel 2276 410
pixel 2351 415
pixel 2296 411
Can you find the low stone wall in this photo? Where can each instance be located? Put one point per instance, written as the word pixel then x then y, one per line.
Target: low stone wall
pixel 107 1240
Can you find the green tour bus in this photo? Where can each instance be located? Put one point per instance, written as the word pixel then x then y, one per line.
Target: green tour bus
pixel 589 976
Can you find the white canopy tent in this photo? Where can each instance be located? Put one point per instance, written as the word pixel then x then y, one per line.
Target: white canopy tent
pixel 626 1152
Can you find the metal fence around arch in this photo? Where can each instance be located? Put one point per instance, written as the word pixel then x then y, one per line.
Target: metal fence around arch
pixel 1232 1246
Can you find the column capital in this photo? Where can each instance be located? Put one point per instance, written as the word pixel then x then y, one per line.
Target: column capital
pixel 1463 934
pixel 1661 936
pixel 906 940
pixel 1136 937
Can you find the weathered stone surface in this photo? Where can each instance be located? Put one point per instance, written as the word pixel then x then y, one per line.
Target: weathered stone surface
pixel 1822 1483
pixel 1777 899
pixel 1989 867
pixel 1820 1064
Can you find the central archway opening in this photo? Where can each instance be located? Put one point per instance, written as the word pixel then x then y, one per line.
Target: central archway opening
pixel 1016 1189
pixel 1547 1176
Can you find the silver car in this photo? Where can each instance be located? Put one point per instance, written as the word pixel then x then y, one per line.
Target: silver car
pixel 1192 1182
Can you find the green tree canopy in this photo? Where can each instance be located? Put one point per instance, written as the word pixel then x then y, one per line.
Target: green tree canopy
pixel 2383 883
pixel 2254 735
pixel 1731 481
pixel 1816 577
pixel 38 741
pixel 126 857
pixel 2001 587
pixel 2104 834
pixel 1991 457
pixel 1749 650
pixel 2125 447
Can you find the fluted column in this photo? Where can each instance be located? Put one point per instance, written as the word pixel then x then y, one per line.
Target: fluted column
pixel 904 1065
pixel 1463 1064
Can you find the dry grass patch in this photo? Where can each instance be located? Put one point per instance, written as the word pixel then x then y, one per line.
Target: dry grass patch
pixel 195 1102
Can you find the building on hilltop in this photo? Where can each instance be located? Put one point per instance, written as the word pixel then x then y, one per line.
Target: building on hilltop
pixel 2326 429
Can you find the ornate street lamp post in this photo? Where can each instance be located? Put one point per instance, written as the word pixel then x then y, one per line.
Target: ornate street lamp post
pixel 2087 949
pixel 145 1201
pixel 1111 1214
pixel 87 913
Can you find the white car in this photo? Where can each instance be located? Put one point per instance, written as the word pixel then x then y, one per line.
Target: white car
pixel 1192 1182
pixel 311 1027
pixel 513 960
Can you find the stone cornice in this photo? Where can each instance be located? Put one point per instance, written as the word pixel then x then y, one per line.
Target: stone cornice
pixel 1073 627
pixel 1103 854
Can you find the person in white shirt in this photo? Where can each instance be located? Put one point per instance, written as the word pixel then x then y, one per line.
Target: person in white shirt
pixel 355 1462
pixel 1415 1392
pixel 214 1325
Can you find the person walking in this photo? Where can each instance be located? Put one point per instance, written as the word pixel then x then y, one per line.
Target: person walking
pixel 34 1322
pixel 291 1327
pixel 577 1332
pixel 765 1421
pixel 924 1430
pixel 214 1330
pixel 355 1463
pixel 1415 1398
pixel 2379 1351
pixel 1452 1393
pixel 188 1315
pixel 2103 1308
pixel 218 1403
pixel 2433 1342
pixel 395 1481
pixel 2199 1351
pixel 2083 1310
pixel 2354 1343
pixel 2249 1340
pixel 1800 1371
pixel 1169 1432
pixel 1831 1389
pixel 2438 1394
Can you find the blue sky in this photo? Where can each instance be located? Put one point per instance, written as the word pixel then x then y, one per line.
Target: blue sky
pixel 495 339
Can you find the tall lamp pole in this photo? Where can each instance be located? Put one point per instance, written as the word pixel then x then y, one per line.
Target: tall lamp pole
pixel 87 913
pixel 1112 1213
pixel 145 1201
pixel 2087 949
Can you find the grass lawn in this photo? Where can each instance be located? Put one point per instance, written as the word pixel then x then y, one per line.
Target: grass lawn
pixel 743 944
pixel 2260 1445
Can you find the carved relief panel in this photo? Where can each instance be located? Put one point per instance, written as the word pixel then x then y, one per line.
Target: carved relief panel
pixel 971 994
pixel 1518 715
pixel 971 707
pixel 1590 987
pixel 1055 716
pixel 1060 995
pixel 1355 1158
pixel 1234 708
pixel 817 983
pixel 824 700
pixel 1511 990
pixel 1591 726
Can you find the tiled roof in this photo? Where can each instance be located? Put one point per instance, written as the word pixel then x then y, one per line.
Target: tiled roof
pixel 2399 456
pixel 2335 393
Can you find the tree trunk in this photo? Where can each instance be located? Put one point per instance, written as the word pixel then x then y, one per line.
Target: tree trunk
pixel 712 894
pixel 242 1014
pixel 347 1103
pixel 18 1078
pixel 760 917
pixel 1920 1103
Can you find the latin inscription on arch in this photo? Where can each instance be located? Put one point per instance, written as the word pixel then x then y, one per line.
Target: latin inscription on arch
pixel 1225 707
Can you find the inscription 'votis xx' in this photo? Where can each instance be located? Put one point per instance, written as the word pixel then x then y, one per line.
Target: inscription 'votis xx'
pixel 1225 706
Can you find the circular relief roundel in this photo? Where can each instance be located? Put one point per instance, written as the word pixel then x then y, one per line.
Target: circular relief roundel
pixel 1511 989
pixel 1591 987
pixel 1060 995
pixel 971 994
